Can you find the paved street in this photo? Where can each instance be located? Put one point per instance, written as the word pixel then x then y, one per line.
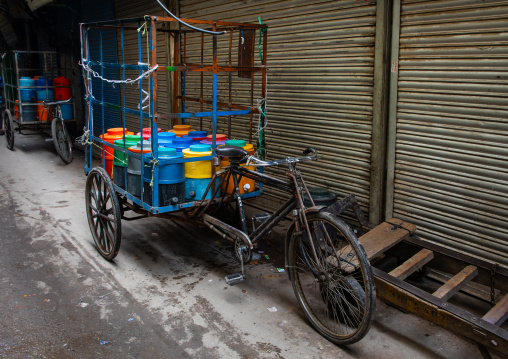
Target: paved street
pixel 164 295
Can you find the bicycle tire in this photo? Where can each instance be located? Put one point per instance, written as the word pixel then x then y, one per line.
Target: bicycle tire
pixel 337 292
pixel 8 127
pixel 62 140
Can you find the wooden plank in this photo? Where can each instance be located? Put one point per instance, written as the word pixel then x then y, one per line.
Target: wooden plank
pixel 473 289
pixel 375 242
pixel 499 313
pixel 452 286
pixel 457 320
pixel 413 264
pixel 385 236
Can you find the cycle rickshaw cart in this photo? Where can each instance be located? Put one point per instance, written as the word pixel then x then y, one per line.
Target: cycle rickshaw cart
pixel 37 98
pixel 329 271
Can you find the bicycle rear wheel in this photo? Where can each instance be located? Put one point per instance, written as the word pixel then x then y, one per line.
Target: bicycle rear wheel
pixel 336 291
pixel 62 140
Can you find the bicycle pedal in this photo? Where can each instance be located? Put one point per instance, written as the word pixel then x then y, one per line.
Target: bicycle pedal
pixel 234 279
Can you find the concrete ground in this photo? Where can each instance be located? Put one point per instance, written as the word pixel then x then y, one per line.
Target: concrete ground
pixel 164 295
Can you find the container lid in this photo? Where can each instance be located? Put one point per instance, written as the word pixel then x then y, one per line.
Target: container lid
pixel 249 147
pixel 200 148
pixel 167 135
pixel 149 130
pixel 197 134
pixel 180 133
pixel 130 140
pixel 239 143
pixel 137 148
pixel 181 128
pixel 182 140
pixel 218 137
pixel 110 138
pixel 207 142
pixel 166 151
pixel 118 131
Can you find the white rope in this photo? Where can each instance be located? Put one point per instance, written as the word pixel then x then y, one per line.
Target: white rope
pixel 126 81
pixel 144 100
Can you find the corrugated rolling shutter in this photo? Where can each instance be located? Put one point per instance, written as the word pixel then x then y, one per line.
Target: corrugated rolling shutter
pixel 137 9
pixel 320 82
pixel 93 11
pixel 451 169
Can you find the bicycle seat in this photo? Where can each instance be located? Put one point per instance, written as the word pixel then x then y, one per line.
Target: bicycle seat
pixel 231 152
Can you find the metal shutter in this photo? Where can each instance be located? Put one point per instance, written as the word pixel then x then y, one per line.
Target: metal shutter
pixel 451 149
pixel 320 82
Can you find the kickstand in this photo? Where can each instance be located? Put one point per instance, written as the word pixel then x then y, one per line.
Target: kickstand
pixel 237 278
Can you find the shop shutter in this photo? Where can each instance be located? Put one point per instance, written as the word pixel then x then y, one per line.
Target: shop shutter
pixel 451 149
pixel 320 84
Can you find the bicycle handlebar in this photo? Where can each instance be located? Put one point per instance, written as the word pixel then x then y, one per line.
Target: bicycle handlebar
pixel 56 102
pixel 256 162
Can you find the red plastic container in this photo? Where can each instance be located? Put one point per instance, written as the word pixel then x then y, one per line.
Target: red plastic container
pixel 147 131
pixel 62 93
pixel 109 151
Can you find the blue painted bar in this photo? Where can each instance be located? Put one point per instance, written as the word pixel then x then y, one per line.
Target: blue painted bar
pixel 140 59
pixel 154 130
pixel 102 97
pixel 214 107
pixel 123 97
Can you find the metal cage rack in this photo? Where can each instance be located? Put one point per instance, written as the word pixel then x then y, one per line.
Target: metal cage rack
pixel 16 64
pixel 195 71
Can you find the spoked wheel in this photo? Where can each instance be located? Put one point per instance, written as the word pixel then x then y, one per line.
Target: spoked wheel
pixel 103 212
pixel 333 282
pixel 8 125
pixel 62 140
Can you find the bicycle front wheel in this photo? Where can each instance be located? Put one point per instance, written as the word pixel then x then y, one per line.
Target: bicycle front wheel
pixel 332 279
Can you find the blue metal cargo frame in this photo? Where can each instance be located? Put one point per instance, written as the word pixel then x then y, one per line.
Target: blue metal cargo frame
pixel 152 24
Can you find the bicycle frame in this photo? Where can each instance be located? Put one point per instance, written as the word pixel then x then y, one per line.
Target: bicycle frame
pixel 291 187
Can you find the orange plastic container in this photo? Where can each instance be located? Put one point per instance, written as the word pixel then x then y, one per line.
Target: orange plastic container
pixel 181 130
pixel 109 151
pixel 246 185
pixel 16 109
pixel 118 131
pixel 43 114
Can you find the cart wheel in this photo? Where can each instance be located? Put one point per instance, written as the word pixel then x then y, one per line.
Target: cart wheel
pixel 103 212
pixel 8 125
pixel 62 140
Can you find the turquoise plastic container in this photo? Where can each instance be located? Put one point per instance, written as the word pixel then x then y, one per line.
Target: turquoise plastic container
pixel 43 91
pixel 195 188
pixel 27 94
pixel 171 178
pixel 29 113
pixel 67 113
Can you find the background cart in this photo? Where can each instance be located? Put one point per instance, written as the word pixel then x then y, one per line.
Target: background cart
pixel 37 98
